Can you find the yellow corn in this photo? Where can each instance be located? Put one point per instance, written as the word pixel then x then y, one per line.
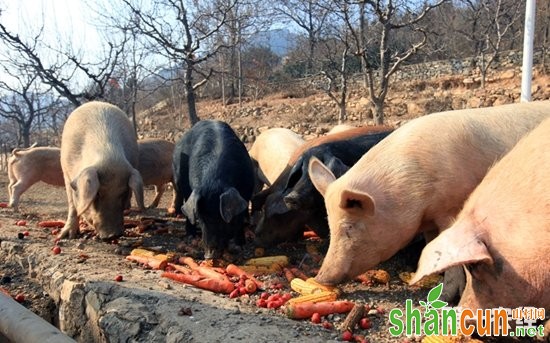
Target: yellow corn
pixel 148 253
pixel 314 298
pixel 275 268
pixel 268 261
pixel 142 252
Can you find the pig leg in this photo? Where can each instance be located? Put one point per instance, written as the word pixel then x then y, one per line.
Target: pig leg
pixel 71 225
pixel 174 195
pixel 16 190
pixel 159 190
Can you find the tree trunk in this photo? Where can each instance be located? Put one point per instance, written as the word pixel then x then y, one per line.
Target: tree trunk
pixel 26 136
pixel 342 115
pixel 379 112
pixel 190 93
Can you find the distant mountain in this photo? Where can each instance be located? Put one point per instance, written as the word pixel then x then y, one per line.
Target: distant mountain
pixel 279 40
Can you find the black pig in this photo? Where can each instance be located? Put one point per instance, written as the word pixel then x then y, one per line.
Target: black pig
pixel 292 202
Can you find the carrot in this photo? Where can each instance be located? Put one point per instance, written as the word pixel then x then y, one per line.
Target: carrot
pixel 299 274
pixel 307 309
pixel 51 223
pixel 203 270
pixel 179 268
pixel 310 234
pixel 148 261
pixel 289 275
pixel 199 281
pixel 188 261
pixel 232 269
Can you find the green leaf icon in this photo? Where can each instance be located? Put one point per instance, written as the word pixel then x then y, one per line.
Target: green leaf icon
pixel 435 293
pixel 439 304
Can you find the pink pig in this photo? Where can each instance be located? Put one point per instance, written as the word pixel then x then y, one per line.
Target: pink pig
pixel 29 166
pixel 415 181
pixel 502 235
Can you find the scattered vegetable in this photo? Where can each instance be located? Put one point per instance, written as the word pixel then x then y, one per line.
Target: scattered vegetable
pixel 56 250
pixel 21 223
pixel 232 269
pixel 20 297
pixel 199 281
pixel 316 318
pixel 118 278
pixel 347 336
pixel 51 223
pixel 148 261
pixel 307 309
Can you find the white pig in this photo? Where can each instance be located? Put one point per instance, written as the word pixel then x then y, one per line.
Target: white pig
pixel 155 166
pixel 414 181
pixel 502 234
pixel 99 156
pixel 271 152
pixel 28 166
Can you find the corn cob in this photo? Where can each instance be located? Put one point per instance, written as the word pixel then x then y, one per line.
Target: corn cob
pixel 275 268
pixel 310 286
pixel 268 261
pixel 314 298
pixel 142 252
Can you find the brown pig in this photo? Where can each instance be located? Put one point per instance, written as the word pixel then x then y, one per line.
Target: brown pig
pixel 502 235
pixel 28 166
pixel 414 181
pixel 155 166
pixel 270 153
pixel 99 157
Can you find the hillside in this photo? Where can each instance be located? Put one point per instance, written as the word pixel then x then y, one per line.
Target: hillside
pixel 315 114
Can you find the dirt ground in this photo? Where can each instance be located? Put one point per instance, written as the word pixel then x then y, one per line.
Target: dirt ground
pixel 91 260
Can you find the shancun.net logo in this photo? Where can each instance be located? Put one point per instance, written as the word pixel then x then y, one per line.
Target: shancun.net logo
pixel 438 319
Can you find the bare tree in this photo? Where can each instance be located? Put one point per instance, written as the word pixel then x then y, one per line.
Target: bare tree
pixel 501 14
pixel 66 66
pixel 335 71
pixel 183 32
pixel 388 17
pixel 309 15
pixel 24 102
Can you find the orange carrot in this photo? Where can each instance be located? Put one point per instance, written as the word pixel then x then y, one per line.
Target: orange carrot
pixel 180 269
pixel 289 275
pixel 299 274
pixel 188 261
pixel 51 223
pixel 209 272
pixel 307 309
pixel 250 286
pixel 232 269
pixel 148 261
pixel 200 281
pixel 310 234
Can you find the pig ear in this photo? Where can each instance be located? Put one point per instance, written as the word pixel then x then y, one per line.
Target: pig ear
pixel 86 186
pixel 231 204
pixel 357 201
pixel 320 175
pixel 336 165
pixel 189 209
pixel 136 185
pixel 454 246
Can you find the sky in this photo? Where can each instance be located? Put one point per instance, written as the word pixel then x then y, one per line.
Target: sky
pixel 69 18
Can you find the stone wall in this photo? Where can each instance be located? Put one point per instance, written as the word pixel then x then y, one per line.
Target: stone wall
pixel 434 69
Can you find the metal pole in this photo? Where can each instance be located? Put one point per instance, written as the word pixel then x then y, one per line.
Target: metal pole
pixel 528 36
